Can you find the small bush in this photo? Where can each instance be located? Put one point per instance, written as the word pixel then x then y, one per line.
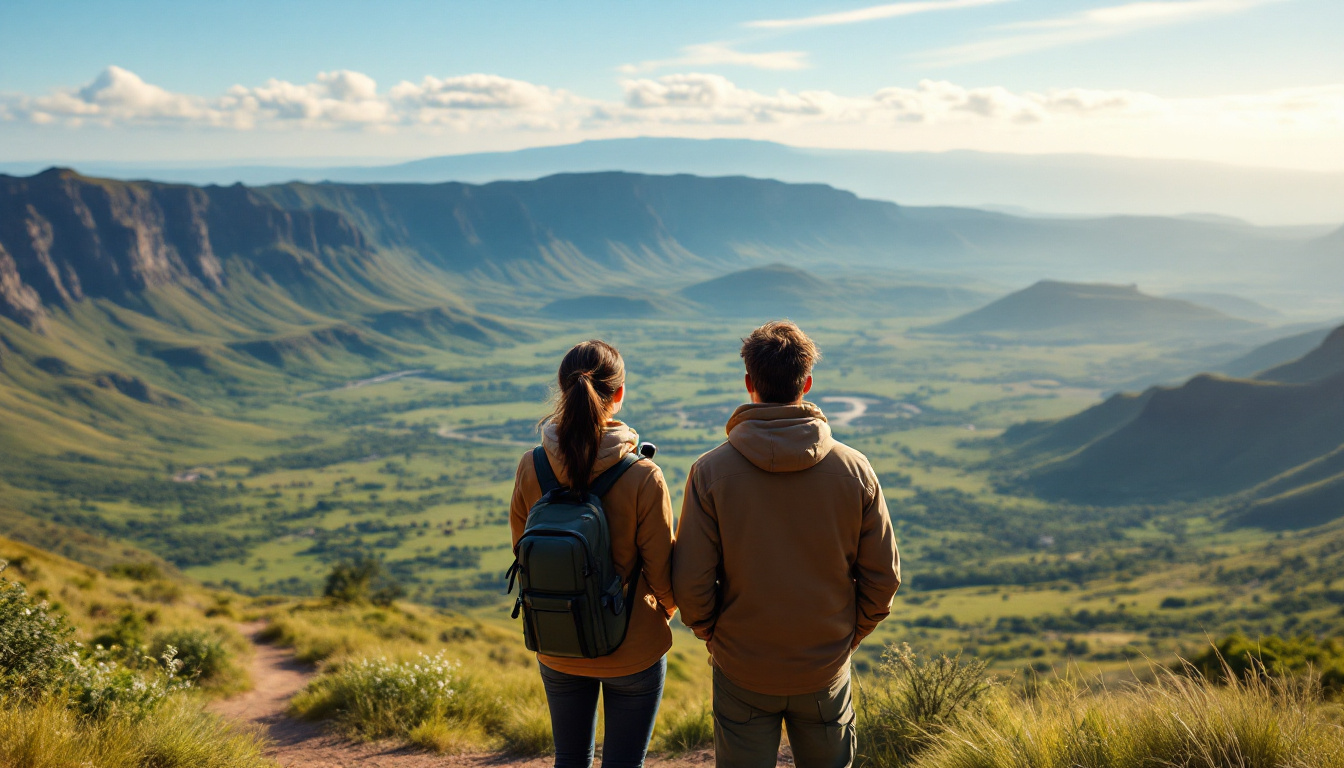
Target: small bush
pixel 135 571
pixel 907 704
pixel 377 698
pixel 683 730
pixel 165 592
pixel 100 687
pixel 126 634
pixel 36 653
pixel 362 580
pixel 201 653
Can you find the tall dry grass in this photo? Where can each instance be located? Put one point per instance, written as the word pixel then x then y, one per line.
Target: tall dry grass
pixel 50 734
pixel 1179 720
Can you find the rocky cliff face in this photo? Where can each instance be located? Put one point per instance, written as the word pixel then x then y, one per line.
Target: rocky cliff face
pixel 64 238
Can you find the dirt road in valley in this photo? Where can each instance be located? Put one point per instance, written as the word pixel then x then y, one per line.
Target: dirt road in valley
pixel 276 677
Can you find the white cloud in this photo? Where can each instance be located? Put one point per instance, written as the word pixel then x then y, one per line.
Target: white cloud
pixel 116 95
pixel 1094 24
pixel 336 99
pixel 717 54
pixel 475 92
pixel 697 97
pixel 871 13
pixel 339 98
pixel 486 110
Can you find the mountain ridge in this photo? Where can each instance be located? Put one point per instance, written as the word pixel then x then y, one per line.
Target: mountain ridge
pixel 1274 441
pixel 1068 184
pixel 64 236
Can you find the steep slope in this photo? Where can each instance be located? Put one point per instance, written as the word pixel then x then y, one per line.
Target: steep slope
pixel 1090 312
pixel 66 237
pixel 69 238
pixel 1066 435
pixel 1274 353
pixel 1324 362
pixel 1279 440
pixel 574 227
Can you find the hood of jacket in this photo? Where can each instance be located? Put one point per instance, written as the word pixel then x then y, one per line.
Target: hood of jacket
pixel 618 439
pixel 780 438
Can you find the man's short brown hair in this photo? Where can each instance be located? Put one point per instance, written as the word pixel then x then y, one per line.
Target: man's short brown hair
pixel 779 358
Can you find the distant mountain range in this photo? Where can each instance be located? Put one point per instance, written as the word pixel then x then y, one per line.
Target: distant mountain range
pixel 1272 444
pixel 1086 185
pixel 347 251
pixel 1077 312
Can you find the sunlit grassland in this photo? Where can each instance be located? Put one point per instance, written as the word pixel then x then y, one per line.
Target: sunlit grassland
pixel 301 471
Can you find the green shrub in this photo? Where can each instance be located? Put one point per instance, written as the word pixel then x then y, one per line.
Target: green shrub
pixel 136 571
pixel 126 634
pixel 1238 656
pixel 362 580
pixel 1179 721
pixel 101 687
pixel 376 698
pixel 36 653
pixel 907 704
pixel 201 653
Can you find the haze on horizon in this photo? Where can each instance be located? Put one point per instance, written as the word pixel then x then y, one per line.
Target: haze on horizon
pixel 1244 82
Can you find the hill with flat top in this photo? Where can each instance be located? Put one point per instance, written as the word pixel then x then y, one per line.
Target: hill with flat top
pixel 1090 311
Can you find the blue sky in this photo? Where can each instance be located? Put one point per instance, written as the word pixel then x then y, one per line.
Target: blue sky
pixel 1245 81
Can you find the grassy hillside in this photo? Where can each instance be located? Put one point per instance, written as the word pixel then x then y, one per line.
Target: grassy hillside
pixel 1324 362
pixel 1273 354
pixel 1275 439
pixel 111 668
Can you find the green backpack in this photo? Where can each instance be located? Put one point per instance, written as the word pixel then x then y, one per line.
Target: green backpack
pixel 569 592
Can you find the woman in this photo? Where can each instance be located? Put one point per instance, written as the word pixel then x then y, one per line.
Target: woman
pixel 582 440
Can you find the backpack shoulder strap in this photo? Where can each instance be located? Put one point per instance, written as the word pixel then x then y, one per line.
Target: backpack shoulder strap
pixel 545 475
pixel 607 479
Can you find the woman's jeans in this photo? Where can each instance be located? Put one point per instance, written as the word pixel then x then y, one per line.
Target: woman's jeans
pixel 630 706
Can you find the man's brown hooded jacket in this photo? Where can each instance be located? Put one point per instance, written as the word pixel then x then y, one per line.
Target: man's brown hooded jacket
pixel 785 557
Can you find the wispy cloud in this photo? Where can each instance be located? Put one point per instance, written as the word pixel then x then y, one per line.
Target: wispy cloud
pixel 719 54
pixel 1095 24
pixel 871 13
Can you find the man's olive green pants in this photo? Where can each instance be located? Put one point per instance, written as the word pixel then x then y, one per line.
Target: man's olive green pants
pixel 747 726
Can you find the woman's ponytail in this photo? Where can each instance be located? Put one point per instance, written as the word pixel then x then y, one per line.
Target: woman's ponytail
pixel 589 376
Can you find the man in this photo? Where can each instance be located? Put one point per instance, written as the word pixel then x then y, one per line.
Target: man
pixel 784 561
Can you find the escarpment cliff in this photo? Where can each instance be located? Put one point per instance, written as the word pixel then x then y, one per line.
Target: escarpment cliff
pixel 65 238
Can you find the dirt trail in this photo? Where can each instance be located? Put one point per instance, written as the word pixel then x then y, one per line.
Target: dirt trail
pixel 276 677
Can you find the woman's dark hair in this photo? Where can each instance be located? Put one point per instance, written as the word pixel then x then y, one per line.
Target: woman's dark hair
pixel 589 376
